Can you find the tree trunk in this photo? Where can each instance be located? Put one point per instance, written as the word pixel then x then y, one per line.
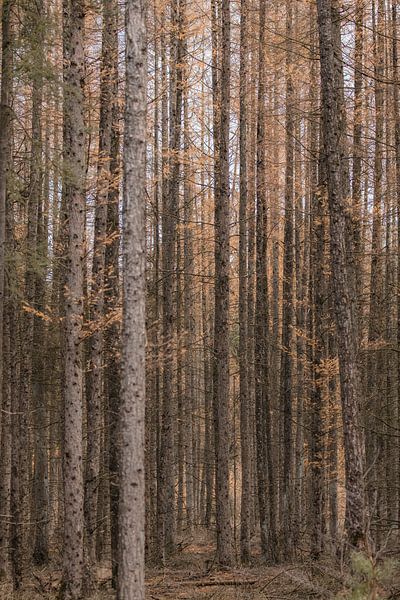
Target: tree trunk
pixel 396 110
pixel 131 510
pixel 375 378
pixel 346 327
pixel 5 148
pixel 246 496
pixel 286 383
pixel 94 401
pixel 265 466
pixel 74 177
pixel 111 296
pixel 166 482
pixel 221 322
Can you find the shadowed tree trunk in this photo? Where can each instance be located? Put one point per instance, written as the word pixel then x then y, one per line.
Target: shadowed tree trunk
pixel 265 466
pixel 243 317
pixel 5 149
pixel 96 387
pixel 286 383
pixel 221 318
pixel 346 327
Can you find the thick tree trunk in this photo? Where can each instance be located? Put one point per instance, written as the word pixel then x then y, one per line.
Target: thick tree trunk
pixel 131 509
pixel 74 177
pixel 346 327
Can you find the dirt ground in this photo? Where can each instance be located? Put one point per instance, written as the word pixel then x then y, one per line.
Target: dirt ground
pixel 191 575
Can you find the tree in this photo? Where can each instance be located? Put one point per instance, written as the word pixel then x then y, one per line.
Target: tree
pixel 131 510
pixel 243 314
pixel 265 464
pixel 286 394
pixel 221 320
pixel 5 148
pixel 346 328
pixel 166 507
pixel 94 402
pixel 73 190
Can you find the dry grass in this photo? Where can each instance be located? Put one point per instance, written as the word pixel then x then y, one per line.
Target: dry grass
pixel 191 575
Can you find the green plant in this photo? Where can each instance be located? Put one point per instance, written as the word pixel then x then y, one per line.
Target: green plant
pixel 370 578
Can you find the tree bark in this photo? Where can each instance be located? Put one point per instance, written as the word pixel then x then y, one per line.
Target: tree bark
pixel 221 322
pixel 131 510
pixel 96 387
pixel 246 496
pixel 265 465
pixel 5 148
pixel 74 178
pixel 286 383
pixel 346 327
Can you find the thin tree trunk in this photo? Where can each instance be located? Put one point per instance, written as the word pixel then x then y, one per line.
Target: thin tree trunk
pixel 286 383
pixel 221 320
pixel 94 400
pixel 375 325
pixel 243 317
pixel 5 148
pixel 396 110
pixel 265 466
pixel 166 482
pixel 111 299
pixel 189 326
pixel 39 396
pixel 357 146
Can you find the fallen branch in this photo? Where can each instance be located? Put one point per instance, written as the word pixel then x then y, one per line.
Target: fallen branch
pixel 213 582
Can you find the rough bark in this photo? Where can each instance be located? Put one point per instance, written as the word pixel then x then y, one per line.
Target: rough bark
pixel 265 466
pixel 396 110
pixel 243 316
pixel 5 146
pixel 74 177
pixel 111 298
pixel 286 372
pixel 346 327
pixel 221 319
pixel 131 510
pixel 166 506
pixel 96 309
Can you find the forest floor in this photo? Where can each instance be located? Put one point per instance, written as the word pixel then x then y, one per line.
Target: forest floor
pixel 191 575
